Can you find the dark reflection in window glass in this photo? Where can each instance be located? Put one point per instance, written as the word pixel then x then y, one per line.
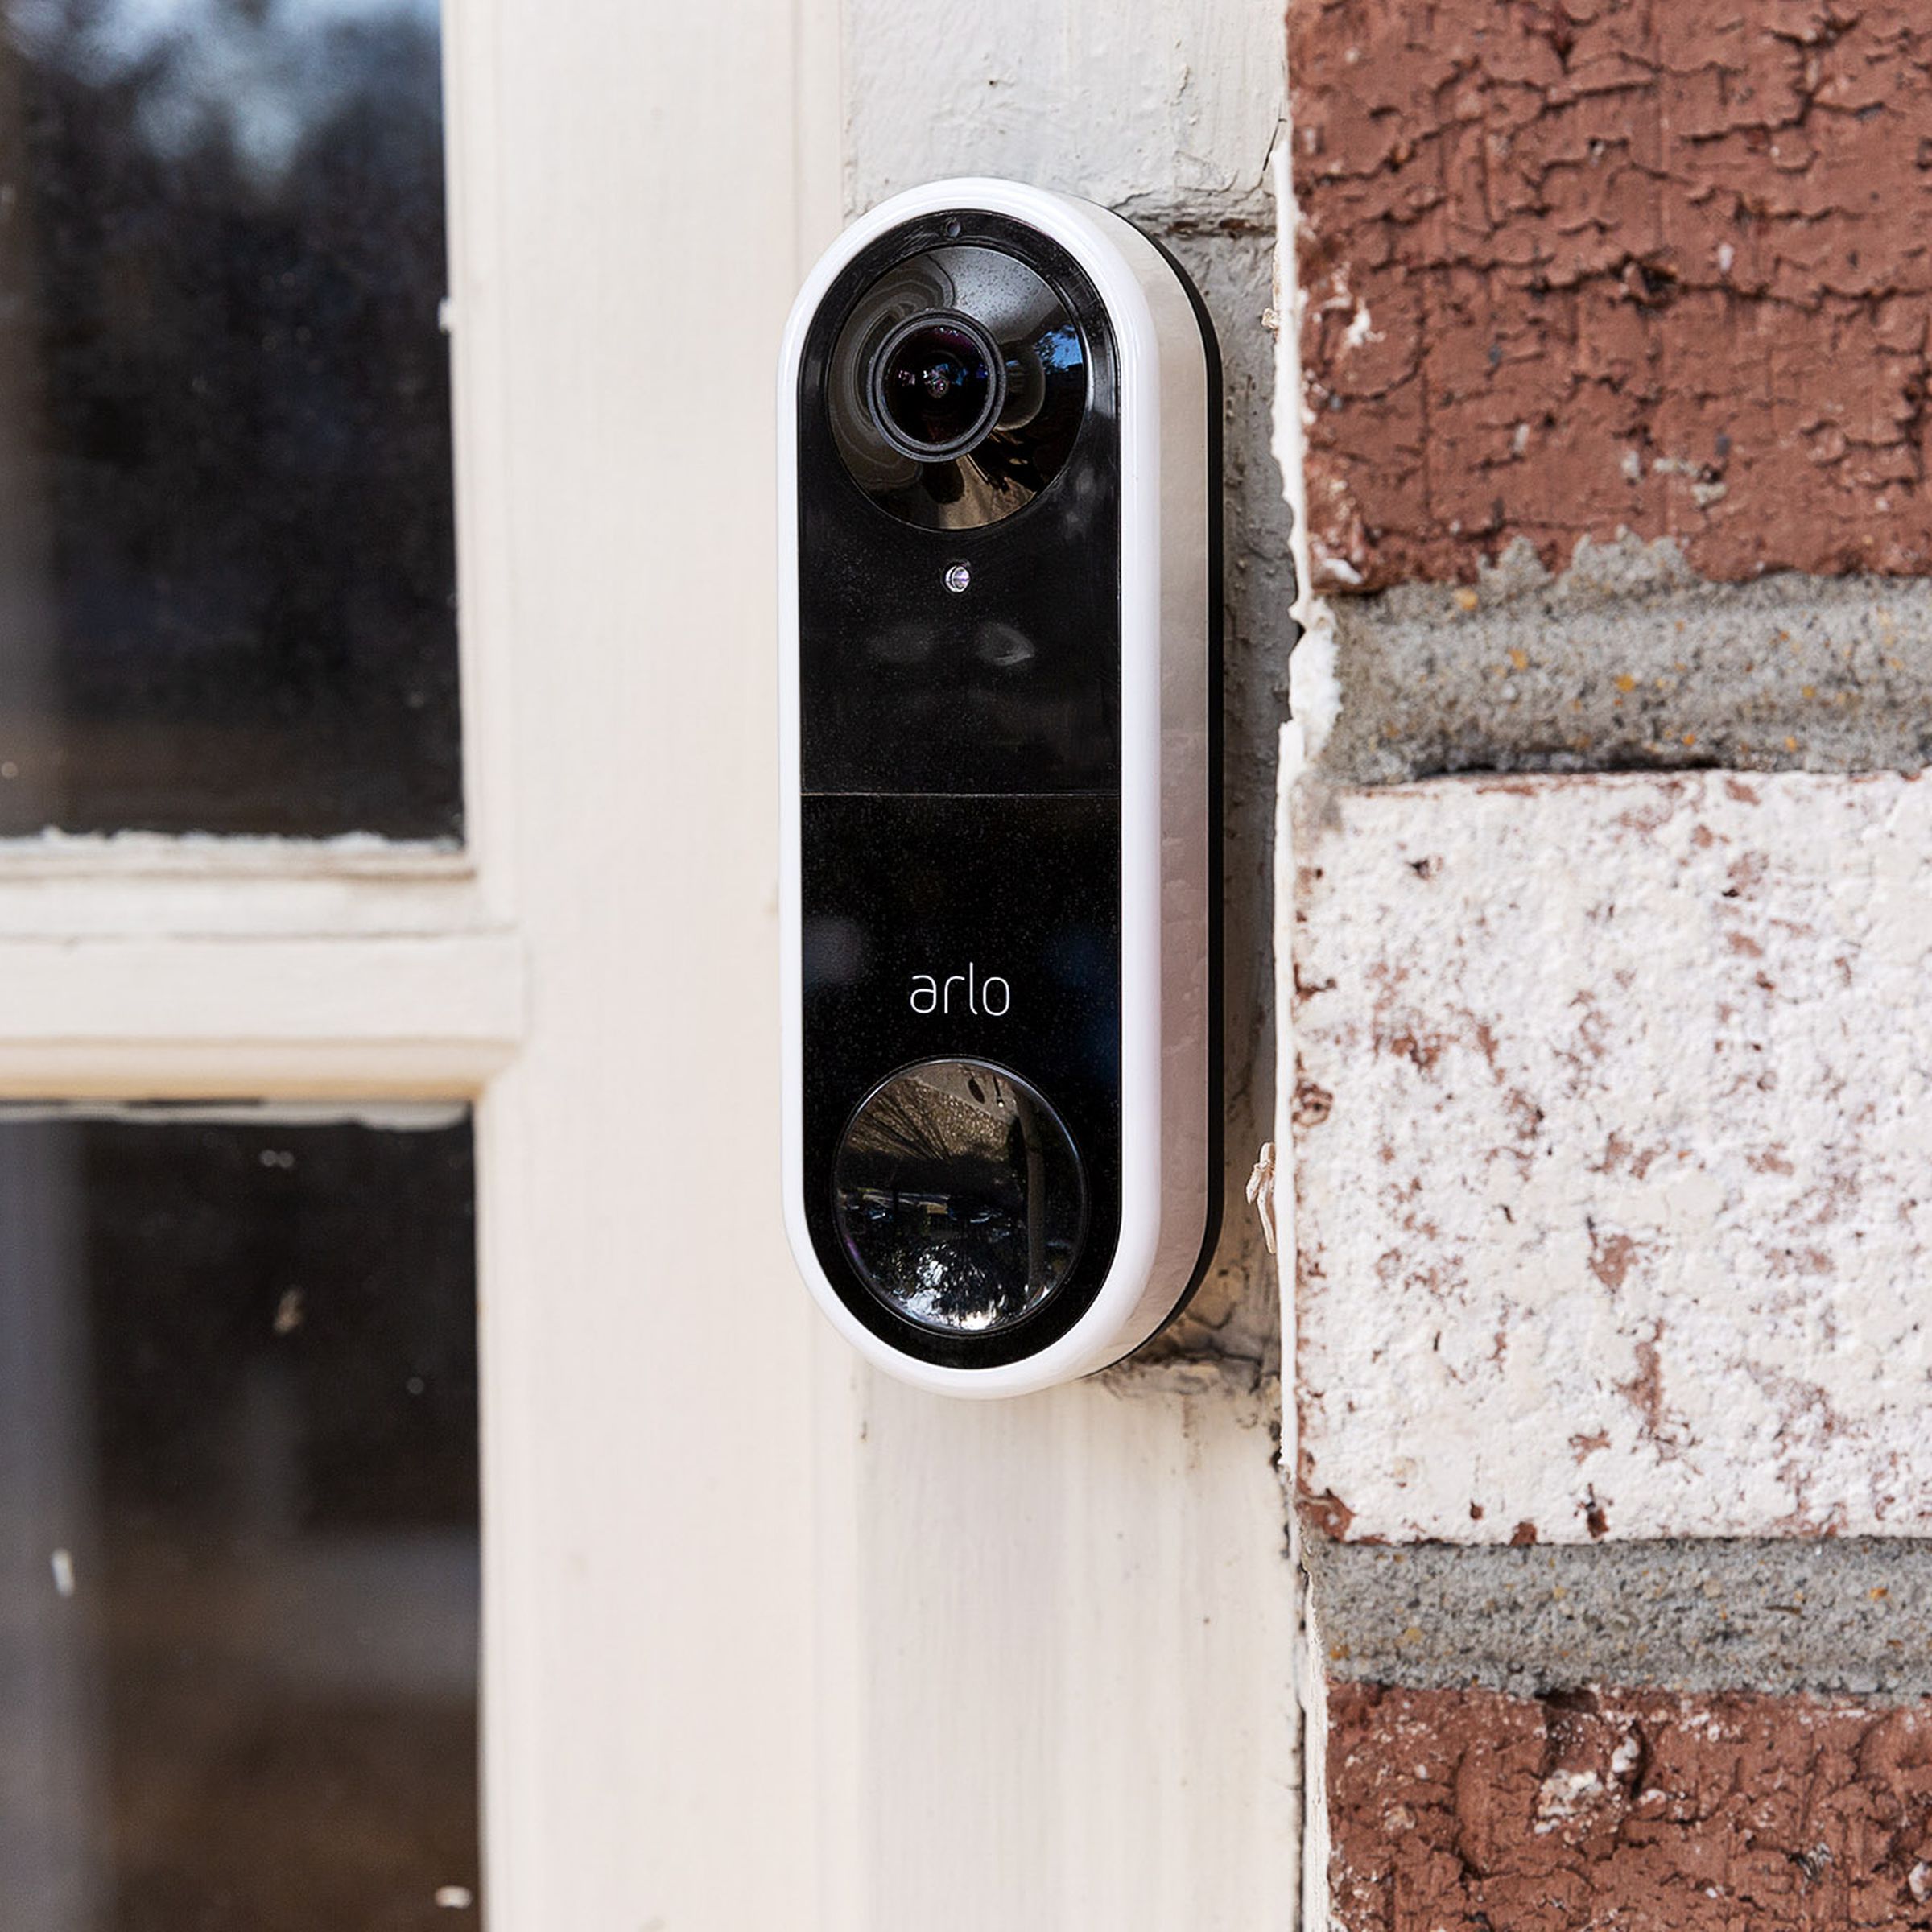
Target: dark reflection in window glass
pixel 238 1523
pixel 227 545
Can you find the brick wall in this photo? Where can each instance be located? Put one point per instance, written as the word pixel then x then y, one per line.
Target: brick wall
pixel 1607 921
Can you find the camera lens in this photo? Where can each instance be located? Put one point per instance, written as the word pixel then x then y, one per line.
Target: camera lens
pixel 938 385
pixel 959 381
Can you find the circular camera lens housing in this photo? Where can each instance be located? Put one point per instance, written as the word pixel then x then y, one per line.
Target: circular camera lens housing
pixel 959 381
pixel 938 386
pixel 960 1198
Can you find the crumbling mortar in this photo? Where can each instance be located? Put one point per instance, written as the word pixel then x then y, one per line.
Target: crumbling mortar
pixel 1627 661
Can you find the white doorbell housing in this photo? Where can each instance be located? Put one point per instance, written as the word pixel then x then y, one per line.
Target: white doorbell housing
pixel 999 691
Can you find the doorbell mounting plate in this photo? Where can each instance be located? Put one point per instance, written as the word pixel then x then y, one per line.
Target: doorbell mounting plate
pixel 999 690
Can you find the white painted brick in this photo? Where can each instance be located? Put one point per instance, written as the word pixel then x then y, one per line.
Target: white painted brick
pixel 1174 101
pixel 1613 1156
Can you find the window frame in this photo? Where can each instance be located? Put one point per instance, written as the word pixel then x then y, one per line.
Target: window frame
pixel 141 967
pixel 723 1620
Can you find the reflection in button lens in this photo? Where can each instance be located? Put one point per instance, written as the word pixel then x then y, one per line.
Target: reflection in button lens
pixel 959 1195
pixel 936 385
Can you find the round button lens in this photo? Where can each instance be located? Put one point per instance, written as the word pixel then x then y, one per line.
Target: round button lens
pixel 958 1196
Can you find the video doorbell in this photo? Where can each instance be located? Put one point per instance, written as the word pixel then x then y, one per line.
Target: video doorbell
pixel 998 426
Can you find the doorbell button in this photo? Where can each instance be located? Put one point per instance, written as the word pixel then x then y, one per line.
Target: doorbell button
pixel 960 1200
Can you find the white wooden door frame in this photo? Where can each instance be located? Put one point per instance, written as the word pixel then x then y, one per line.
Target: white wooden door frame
pixel 768 1643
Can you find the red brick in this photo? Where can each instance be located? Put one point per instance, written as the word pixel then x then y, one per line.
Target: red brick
pixel 1638 1810
pixel 1664 266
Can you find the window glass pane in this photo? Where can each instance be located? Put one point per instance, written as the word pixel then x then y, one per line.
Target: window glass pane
pixel 238 1522
pixel 226 534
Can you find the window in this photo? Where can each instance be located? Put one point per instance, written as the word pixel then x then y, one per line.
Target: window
pixel 240 1484
pixel 228 571
pixel 238 1516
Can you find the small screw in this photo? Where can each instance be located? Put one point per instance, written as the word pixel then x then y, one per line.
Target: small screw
pixel 957 578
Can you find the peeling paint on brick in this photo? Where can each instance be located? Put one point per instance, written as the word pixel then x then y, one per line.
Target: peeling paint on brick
pixel 1713 1814
pixel 1665 268
pixel 1612 1219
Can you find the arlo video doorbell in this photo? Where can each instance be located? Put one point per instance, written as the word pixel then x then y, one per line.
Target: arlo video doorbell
pixel 999 686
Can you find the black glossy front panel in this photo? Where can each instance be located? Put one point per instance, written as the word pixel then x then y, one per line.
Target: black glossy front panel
pixel 987 928
pixel 959 703
pixel 1009 685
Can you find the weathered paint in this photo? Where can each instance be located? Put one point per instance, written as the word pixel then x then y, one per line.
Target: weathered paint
pixel 1605 378
pixel 1454 1809
pixel 1656 266
pixel 1176 102
pixel 1613 1139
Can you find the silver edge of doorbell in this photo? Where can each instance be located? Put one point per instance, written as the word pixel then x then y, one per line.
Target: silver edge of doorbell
pixel 1166 1188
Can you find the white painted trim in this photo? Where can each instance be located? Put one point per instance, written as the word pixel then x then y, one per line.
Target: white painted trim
pixel 1313 686
pixel 141 1017
pixel 389 1116
pixel 1164 690
pixel 242 1069
pixel 117 857
pixel 180 902
pixel 1069 1624
pixel 624 233
pixel 487 642
pixel 1311 1680
pixel 1314 701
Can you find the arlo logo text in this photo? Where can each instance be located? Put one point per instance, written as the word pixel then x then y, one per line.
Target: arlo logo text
pixel 991 995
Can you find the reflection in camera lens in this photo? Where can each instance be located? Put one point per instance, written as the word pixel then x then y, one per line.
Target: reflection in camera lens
pixel 938 386
pixel 959 1196
pixel 957 386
